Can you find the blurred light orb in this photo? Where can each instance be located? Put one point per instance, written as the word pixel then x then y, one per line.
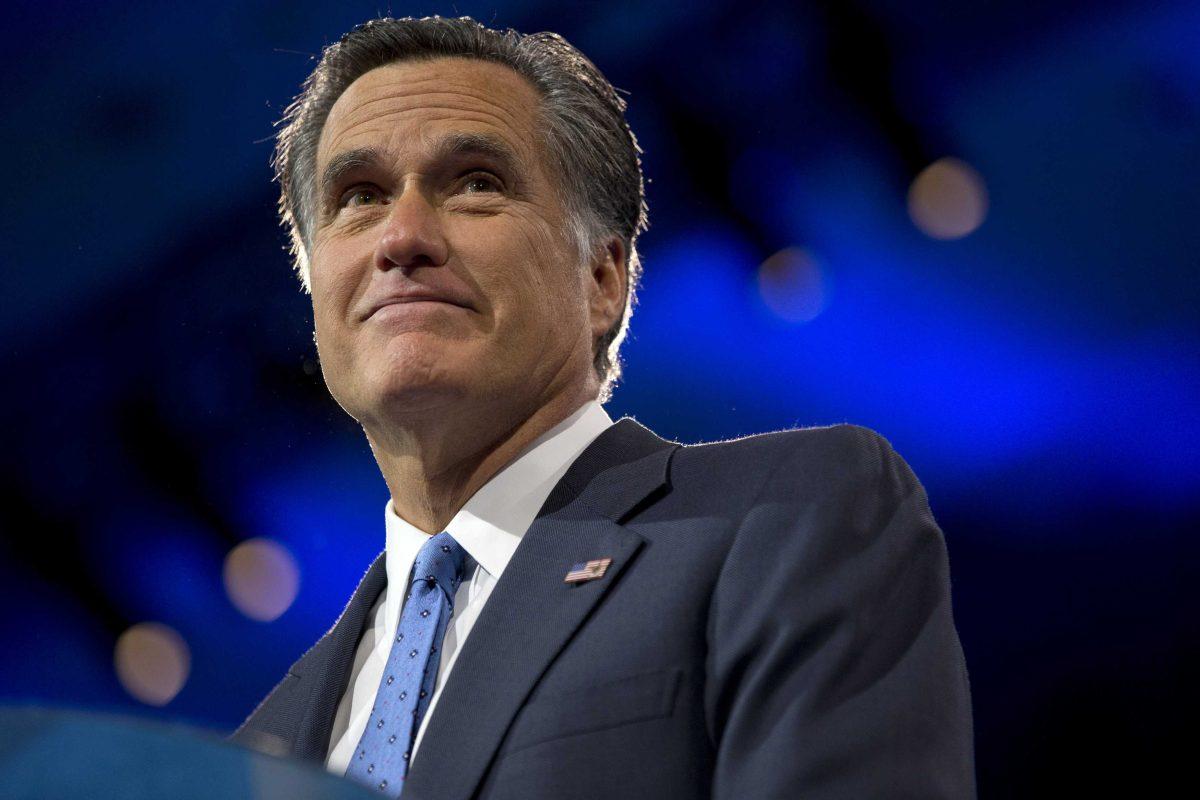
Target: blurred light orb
pixel 261 579
pixel 152 662
pixel 947 199
pixel 792 285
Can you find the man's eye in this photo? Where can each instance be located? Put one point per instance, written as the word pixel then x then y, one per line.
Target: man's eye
pixel 480 183
pixel 360 197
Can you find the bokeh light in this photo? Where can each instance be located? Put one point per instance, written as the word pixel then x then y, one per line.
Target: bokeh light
pixel 793 285
pixel 152 662
pixel 948 199
pixel 261 578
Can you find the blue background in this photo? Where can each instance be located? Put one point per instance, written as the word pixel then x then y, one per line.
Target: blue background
pixel 1041 375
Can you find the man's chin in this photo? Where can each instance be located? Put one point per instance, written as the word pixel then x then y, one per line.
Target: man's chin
pixel 400 399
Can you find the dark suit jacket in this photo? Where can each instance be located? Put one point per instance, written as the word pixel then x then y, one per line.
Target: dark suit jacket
pixel 776 623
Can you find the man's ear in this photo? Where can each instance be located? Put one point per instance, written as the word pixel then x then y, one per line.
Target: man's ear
pixel 607 282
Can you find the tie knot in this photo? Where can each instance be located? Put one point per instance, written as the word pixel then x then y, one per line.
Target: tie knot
pixel 440 562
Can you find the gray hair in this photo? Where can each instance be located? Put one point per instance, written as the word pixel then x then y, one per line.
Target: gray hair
pixel 594 153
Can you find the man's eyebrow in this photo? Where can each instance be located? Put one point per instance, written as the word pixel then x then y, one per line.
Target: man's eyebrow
pixel 345 162
pixel 477 144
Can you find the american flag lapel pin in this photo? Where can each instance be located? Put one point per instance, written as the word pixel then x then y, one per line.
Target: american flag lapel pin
pixel 588 571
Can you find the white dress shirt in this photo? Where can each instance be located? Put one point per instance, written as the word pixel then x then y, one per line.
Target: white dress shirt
pixel 489 527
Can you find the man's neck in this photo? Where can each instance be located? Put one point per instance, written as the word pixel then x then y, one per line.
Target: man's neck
pixel 431 474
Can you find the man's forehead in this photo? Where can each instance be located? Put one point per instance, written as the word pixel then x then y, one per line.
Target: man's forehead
pixel 411 105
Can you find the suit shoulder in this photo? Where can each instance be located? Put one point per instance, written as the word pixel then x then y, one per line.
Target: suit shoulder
pixel 840 448
pixel 842 466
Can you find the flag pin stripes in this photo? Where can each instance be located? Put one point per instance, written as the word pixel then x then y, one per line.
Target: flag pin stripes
pixel 588 571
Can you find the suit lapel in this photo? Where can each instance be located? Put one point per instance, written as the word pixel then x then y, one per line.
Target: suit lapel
pixel 324 671
pixel 532 612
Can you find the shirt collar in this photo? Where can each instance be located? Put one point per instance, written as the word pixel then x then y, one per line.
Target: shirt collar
pixel 491 524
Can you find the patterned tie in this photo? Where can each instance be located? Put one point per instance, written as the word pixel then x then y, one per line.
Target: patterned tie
pixel 381 760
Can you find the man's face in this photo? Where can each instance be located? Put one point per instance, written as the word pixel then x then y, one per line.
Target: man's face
pixel 432 181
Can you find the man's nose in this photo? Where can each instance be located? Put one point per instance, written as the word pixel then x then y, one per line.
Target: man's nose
pixel 412 234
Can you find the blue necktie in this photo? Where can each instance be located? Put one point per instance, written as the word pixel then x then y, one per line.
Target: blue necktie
pixel 381 759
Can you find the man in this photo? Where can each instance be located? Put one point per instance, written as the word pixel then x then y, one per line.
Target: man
pixel 567 606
